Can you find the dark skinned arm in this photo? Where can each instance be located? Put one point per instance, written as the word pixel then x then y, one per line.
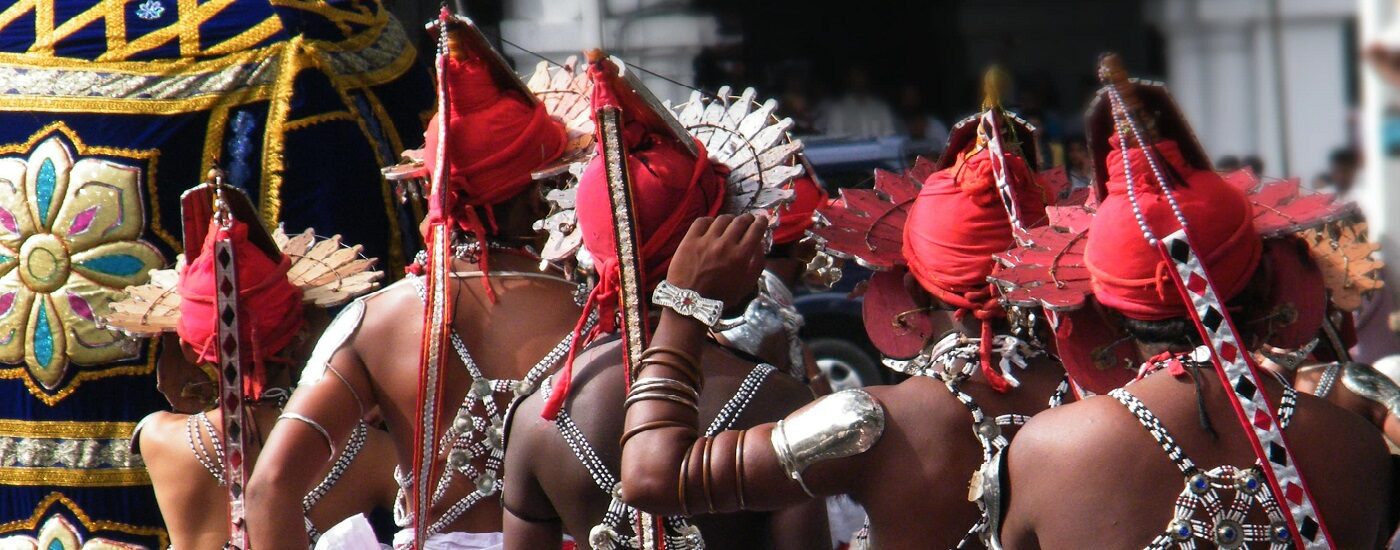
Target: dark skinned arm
pixel 720 259
pixel 530 520
pixel 295 454
pixel 801 527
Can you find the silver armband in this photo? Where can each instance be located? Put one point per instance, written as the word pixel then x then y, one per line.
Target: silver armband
pixel 1365 381
pixel 839 425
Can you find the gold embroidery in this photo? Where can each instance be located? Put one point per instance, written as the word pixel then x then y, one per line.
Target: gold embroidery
pixel 188 25
pixel 44 42
pixel 83 375
pixel 396 255
pixel 20 8
pixel 150 156
pixel 246 39
pixel 319 118
pixel 189 33
pixel 56 498
pixel 274 136
pixel 66 429
pixel 76 227
pixel 213 143
pixel 116 27
pixel 75 477
pixel 43 23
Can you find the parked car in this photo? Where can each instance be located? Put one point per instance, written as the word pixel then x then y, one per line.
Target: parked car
pixel 834 330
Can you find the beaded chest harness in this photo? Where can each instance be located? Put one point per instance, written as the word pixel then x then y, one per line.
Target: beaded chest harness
pixel 474 442
pixel 196 425
pixel 1203 515
pixel 937 364
pixel 619 519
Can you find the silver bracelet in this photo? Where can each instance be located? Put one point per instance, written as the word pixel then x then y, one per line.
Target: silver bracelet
pixel 330 444
pixel 688 303
pixel 659 396
pixel 649 382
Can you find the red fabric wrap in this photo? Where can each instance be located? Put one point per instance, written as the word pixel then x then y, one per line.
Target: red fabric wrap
pixel 1131 276
pixel 670 190
pixel 795 218
pixel 269 305
pixel 955 226
pixel 498 139
pixel 958 222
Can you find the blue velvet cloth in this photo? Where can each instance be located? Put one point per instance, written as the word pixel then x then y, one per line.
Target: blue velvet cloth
pixel 335 91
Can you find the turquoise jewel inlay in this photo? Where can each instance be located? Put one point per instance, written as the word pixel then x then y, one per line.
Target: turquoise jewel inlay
pixel 121 265
pixel 44 188
pixel 43 338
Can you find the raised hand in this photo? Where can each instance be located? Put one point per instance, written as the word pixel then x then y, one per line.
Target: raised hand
pixel 721 258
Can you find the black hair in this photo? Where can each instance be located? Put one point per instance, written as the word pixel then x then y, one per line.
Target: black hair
pixel 1343 155
pixel 1180 332
pixel 1177 331
pixel 784 250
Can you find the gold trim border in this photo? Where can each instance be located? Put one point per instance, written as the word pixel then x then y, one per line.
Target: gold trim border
pixel 65 429
pixel 70 477
pixel 90 525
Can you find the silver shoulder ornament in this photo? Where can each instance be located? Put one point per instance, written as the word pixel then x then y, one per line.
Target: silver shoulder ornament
pixel 345 324
pixel 1365 381
pixel 842 424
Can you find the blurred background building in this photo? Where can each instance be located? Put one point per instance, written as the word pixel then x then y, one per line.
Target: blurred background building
pixel 1279 85
pixel 1275 82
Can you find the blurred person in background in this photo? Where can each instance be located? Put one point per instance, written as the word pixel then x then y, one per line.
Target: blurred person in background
pixel 859 112
pixel 1340 176
pixel 1228 163
pixel 796 104
pixel 1254 163
pixel 926 132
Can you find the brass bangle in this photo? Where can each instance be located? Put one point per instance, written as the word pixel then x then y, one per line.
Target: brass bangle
pixel 654 424
pixel 683 356
pixel 705 473
pixel 680 484
pixel 739 468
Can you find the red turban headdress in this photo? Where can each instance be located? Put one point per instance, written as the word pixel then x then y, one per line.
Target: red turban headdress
pixel 795 218
pixel 498 138
pixel 269 305
pixel 671 188
pixel 955 226
pixel 1131 276
pixel 958 223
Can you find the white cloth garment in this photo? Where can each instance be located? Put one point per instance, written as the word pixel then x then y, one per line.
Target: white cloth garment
pixel 353 533
pixel 453 541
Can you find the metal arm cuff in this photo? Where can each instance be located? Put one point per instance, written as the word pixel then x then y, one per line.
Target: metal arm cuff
pixel 1366 381
pixel 842 424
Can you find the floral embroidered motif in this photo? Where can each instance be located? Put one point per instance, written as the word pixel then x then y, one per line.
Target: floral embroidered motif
pixel 150 10
pixel 70 230
pixel 58 534
pixel 58 523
